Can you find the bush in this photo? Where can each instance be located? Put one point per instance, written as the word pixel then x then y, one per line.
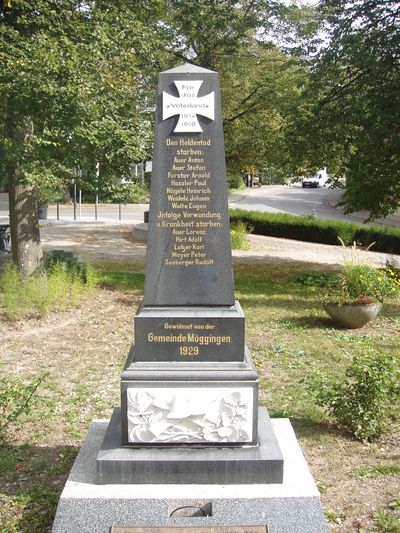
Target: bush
pixel 318 280
pixel 239 236
pixel 118 193
pixel 360 402
pixel 135 193
pixel 61 261
pixel 47 194
pixel 19 295
pixel 235 181
pixel 361 281
pixel 393 269
pixel 312 229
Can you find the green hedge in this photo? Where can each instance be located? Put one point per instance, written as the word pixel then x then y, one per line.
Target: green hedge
pixel 311 229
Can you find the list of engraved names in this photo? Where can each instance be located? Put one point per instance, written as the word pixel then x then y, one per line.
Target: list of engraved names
pixel 188 218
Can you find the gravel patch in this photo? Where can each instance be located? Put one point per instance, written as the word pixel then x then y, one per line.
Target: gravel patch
pixel 98 243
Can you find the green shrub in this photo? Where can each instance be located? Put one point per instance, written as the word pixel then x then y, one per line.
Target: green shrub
pixel 20 295
pixel 387 520
pixel 311 229
pixel 360 402
pixel 16 399
pixel 386 238
pixel 48 194
pixel 393 269
pixel 235 181
pixel 317 279
pixel 118 193
pixel 135 193
pixel 239 236
pixel 60 261
pixel 361 283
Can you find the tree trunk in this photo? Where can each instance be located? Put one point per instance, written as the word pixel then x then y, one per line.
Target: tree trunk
pixel 24 226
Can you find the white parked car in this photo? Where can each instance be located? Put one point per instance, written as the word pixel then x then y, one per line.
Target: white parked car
pixel 317 180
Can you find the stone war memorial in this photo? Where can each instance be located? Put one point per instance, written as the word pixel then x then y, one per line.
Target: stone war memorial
pixel 189 449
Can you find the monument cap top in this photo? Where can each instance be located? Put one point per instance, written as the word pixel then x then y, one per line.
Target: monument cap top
pixel 189 68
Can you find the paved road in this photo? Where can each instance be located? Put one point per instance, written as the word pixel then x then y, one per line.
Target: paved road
pixel 298 201
pixel 130 213
pixel 110 240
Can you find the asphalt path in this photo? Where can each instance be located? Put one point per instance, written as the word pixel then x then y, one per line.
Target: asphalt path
pixel 322 202
pixel 110 239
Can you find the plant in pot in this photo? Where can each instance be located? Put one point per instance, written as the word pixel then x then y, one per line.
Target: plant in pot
pixel 46 194
pixel 357 296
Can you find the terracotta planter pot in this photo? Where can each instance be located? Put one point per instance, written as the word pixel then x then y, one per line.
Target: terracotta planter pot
pixel 353 315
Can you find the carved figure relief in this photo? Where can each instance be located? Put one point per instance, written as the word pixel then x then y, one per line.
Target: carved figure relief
pixel 190 415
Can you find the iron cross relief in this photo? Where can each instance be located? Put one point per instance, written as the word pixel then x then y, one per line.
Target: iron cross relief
pixel 188 106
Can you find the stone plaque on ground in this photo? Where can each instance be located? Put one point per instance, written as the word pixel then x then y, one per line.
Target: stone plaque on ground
pixel 215 529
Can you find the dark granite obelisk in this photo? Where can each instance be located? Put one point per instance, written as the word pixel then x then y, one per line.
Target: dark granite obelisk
pixel 189 381
pixel 189 259
pixel 189 312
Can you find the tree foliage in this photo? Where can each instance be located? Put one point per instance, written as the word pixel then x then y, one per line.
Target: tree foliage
pixel 259 81
pixel 205 32
pixel 260 87
pixel 353 108
pixel 73 81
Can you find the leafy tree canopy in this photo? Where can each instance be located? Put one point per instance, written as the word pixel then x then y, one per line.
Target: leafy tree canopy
pixel 352 107
pixel 73 83
pixel 242 41
pixel 79 71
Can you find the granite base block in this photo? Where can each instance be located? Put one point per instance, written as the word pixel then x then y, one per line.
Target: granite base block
pixel 188 398
pixel 188 371
pixel 201 333
pixel 290 507
pixel 188 464
pixel 140 231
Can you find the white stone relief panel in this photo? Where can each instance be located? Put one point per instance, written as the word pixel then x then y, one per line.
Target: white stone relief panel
pixel 196 414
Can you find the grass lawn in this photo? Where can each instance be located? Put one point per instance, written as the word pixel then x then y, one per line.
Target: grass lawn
pixel 82 350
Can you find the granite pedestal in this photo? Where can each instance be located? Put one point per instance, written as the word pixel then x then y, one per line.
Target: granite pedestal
pixel 189 402
pixel 190 465
pixel 292 506
pixel 140 232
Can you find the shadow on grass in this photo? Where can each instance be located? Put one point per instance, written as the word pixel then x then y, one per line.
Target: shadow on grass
pixel 310 322
pixel 284 301
pixel 312 429
pixel 32 478
pixel 325 322
pixel 308 427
